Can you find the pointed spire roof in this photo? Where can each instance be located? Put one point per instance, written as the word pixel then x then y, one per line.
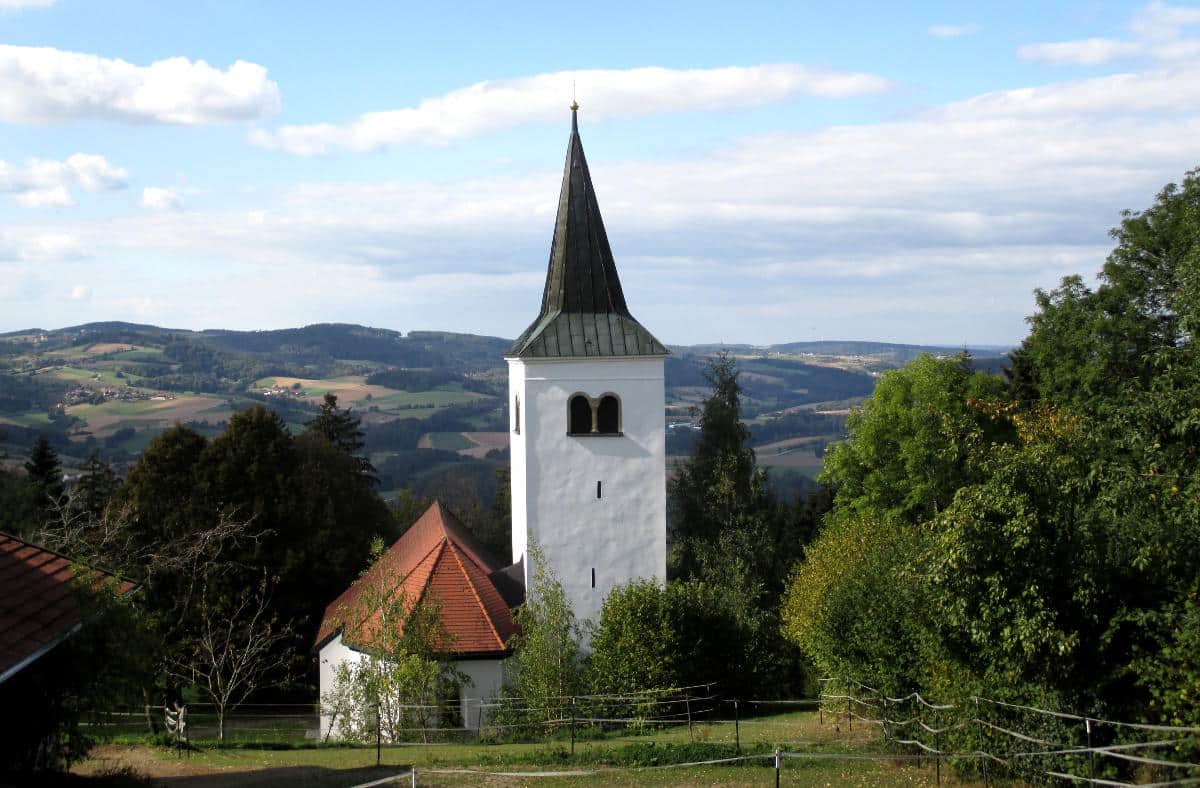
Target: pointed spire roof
pixel 583 308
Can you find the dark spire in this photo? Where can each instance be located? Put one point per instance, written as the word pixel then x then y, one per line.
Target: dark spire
pixel 583 309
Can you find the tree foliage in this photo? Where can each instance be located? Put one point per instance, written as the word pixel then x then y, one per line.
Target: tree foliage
pixel 1036 536
pixel 652 637
pixel 546 668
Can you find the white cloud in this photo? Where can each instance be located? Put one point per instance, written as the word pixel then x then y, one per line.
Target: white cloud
pixel 41 85
pixel 161 199
pixel 955 205
pixel 488 106
pixel 43 183
pixel 1088 52
pixel 1159 21
pixel 16 5
pixel 933 227
pixel 952 31
pixel 1158 33
pixel 52 197
pixel 80 293
pixel 39 245
pixel 1168 90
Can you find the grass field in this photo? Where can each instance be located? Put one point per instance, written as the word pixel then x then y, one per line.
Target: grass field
pixel 353 390
pixel 621 759
pixel 29 418
pixel 92 376
pixel 795 452
pixel 446 441
pixel 107 417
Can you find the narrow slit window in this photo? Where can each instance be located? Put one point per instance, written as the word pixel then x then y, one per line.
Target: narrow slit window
pixel 593 577
pixel 517 414
pixel 598 489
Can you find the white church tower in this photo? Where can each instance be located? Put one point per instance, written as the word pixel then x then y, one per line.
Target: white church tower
pixel 585 385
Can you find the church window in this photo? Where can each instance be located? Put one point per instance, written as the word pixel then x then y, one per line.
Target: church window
pixel 517 414
pixel 597 489
pixel 580 416
pixel 608 415
pixel 593 577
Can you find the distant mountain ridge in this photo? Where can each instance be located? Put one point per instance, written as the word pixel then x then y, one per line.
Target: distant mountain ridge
pixel 381 341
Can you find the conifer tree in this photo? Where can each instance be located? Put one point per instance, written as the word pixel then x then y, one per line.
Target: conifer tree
pixel 45 472
pixel 342 429
pixel 96 486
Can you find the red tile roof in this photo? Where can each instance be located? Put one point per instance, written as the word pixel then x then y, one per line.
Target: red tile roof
pixel 437 559
pixel 38 607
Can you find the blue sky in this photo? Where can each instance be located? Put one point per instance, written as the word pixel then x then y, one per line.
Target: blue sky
pixel 768 172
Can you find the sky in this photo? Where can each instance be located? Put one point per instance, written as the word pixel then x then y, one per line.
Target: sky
pixel 767 172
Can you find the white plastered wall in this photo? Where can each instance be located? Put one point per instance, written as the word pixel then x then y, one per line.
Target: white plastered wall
pixel 621 534
pixel 484 679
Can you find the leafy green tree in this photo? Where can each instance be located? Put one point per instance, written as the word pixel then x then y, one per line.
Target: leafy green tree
pixel 652 638
pixel 165 490
pixel 1039 540
pixel 913 443
pixel 546 668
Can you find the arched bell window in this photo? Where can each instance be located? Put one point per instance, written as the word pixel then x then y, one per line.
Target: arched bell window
pixel 579 415
pixel 608 415
pixel 588 416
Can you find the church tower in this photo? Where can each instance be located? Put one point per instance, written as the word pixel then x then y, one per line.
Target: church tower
pixel 586 398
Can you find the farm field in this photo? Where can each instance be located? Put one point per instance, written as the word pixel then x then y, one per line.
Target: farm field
pixel 108 417
pixel 354 390
pixel 596 762
pixel 470 444
pixel 798 453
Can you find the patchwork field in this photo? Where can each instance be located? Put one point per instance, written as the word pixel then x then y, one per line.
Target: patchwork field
pixel 797 453
pixel 354 390
pixel 108 417
pixel 484 442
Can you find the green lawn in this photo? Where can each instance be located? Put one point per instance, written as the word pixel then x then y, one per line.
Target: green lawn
pixel 615 759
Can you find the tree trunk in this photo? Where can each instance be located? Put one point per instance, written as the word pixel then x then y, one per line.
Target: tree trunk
pixel 220 723
pixel 151 722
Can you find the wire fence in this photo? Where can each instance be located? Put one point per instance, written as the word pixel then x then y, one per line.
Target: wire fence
pixel 990 738
pixel 1002 740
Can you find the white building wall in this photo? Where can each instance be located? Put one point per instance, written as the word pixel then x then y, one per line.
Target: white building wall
pixel 622 534
pixel 484 679
pixel 332 654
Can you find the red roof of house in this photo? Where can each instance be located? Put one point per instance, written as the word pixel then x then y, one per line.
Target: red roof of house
pixel 38 607
pixel 437 559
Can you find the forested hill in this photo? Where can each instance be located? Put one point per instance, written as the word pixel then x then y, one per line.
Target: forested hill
pixel 433 404
pixel 317 348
